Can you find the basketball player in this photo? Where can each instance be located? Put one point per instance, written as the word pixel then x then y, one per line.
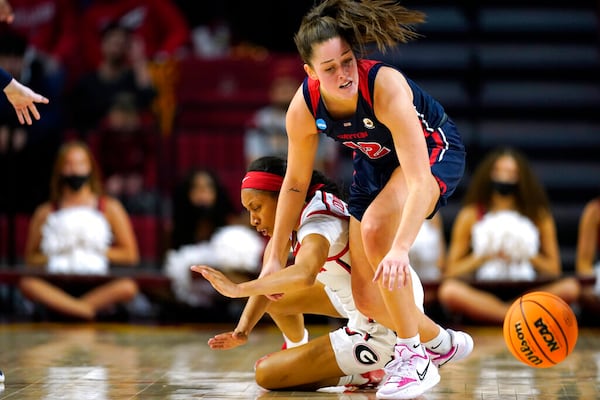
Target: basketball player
pixel 408 159
pixel 319 283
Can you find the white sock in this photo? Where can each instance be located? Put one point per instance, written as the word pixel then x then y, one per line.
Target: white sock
pixel 441 344
pixel 289 344
pixel 414 343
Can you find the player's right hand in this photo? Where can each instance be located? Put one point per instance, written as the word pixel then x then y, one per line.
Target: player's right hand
pixel 227 340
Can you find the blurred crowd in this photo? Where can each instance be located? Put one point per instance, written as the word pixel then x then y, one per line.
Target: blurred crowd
pixel 104 65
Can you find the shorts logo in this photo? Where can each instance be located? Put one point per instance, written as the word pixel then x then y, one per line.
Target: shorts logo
pixel 365 355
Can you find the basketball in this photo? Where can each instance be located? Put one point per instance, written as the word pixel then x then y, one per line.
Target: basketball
pixel 540 329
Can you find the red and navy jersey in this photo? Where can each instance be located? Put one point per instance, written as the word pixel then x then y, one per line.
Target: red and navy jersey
pixel 362 131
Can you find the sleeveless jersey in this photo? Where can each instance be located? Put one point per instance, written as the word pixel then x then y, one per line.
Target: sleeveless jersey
pixel 363 132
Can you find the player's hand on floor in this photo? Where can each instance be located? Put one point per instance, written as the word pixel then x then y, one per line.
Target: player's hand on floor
pixel 227 340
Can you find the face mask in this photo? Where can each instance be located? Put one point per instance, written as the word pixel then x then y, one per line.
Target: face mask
pixel 75 182
pixel 504 188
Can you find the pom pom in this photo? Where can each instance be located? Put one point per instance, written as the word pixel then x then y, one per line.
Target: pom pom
pixel 237 248
pixel 195 292
pixel 75 240
pixel 510 234
pixel 232 248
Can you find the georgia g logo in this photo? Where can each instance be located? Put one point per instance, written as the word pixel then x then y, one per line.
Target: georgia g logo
pixel 365 355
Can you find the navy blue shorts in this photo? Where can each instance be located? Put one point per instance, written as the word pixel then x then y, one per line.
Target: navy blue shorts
pixel 447 166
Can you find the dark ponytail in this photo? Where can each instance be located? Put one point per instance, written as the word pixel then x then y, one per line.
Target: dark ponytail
pixel 360 23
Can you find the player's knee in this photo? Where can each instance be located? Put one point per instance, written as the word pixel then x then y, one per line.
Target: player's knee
pixel 264 374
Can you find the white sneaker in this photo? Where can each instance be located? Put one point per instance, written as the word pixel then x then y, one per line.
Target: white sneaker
pixel 462 346
pixel 410 374
pixel 1 376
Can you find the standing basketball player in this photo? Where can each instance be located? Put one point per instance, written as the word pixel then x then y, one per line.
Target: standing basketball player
pixel 408 160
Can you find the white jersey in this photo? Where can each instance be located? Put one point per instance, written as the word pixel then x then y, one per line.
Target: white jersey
pixel 328 216
pixel 362 345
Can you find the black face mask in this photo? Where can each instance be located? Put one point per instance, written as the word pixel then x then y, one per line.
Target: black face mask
pixel 504 188
pixel 74 182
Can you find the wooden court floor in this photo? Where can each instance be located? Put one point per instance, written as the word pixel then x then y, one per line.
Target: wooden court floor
pixel 112 361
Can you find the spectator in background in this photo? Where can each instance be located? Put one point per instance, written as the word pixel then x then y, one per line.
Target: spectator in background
pixel 123 69
pixel 158 24
pixel 207 228
pixel 79 231
pixel 587 264
pixel 26 151
pixel 210 29
pixel 505 231
pixel 126 147
pixel 266 133
pixel 200 206
pixel 52 33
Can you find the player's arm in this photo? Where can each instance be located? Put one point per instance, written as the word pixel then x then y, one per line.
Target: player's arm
pixel 303 142
pixel 394 107
pixel 302 274
pixel 253 311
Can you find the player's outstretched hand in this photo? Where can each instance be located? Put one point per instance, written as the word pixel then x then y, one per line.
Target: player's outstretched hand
pixel 23 100
pixel 219 281
pixel 227 340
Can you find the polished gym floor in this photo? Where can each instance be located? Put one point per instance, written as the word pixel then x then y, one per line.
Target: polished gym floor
pixel 124 361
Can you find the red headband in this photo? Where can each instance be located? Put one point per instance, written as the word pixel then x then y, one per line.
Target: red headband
pixel 262 181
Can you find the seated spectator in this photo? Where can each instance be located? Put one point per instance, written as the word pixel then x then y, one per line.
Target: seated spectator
pixel 587 264
pixel 266 133
pixel 122 70
pixel 201 205
pixel 505 231
pixel 126 147
pixel 79 231
pixel 206 226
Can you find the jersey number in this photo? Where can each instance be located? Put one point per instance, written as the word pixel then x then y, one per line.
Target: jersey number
pixel 373 150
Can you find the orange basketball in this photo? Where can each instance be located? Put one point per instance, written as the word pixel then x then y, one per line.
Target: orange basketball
pixel 540 329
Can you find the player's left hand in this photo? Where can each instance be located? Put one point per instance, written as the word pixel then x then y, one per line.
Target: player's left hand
pixel 219 281
pixel 393 270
